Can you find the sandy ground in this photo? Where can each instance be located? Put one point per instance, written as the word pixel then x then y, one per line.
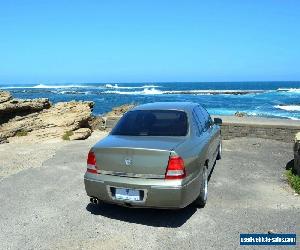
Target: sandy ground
pixel 44 206
pixel 26 152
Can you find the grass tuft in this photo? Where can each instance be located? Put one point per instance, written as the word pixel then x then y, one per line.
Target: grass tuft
pixel 21 133
pixel 294 180
pixel 66 135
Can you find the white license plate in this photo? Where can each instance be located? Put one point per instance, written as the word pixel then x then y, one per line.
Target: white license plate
pixel 127 194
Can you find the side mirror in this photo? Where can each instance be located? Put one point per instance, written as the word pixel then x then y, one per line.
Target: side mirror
pixel 218 121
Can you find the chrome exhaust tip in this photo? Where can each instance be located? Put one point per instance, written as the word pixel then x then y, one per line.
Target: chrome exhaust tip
pixel 94 200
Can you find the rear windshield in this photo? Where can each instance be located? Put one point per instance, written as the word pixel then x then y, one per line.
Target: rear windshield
pixel 152 123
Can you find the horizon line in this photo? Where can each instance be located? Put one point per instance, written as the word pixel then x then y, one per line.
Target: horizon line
pixel 151 82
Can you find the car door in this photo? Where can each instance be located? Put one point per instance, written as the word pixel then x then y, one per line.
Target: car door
pixel 214 135
pixel 202 137
pixel 209 134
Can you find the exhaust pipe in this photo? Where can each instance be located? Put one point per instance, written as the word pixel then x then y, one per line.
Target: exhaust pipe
pixel 94 200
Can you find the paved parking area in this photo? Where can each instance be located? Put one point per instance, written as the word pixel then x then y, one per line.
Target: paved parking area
pixel 47 207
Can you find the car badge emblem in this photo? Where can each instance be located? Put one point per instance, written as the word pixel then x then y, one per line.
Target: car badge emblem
pixel 127 162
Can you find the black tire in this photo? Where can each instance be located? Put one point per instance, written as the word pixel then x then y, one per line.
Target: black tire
pixel 219 156
pixel 202 198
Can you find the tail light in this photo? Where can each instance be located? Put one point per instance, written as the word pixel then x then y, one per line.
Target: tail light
pixel 175 169
pixel 91 163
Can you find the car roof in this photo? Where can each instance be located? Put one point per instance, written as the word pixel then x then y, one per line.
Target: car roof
pixel 185 106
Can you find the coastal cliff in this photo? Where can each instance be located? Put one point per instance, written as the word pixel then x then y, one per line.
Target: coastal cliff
pixel 38 118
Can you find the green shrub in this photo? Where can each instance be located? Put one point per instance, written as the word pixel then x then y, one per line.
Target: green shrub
pixel 66 135
pixel 294 180
pixel 21 133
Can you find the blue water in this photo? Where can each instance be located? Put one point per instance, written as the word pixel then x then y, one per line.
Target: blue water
pixel 267 99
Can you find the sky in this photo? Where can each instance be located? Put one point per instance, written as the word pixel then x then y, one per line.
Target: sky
pixel 61 41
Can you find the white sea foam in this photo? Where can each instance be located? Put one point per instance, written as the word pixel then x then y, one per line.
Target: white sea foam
pixel 68 92
pixel 146 91
pixel 288 107
pixel 291 90
pixel 213 91
pixel 44 86
pixel 272 115
pixel 116 86
pixel 152 91
pixel 17 87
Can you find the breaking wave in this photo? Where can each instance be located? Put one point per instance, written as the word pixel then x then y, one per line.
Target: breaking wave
pixel 291 90
pixel 67 92
pixel 288 107
pixel 44 86
pixel 146 91
pixel 116 86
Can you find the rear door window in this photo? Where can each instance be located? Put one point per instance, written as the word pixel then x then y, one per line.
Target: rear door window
pixel 200 128
pixel 201 117
pixel 207 118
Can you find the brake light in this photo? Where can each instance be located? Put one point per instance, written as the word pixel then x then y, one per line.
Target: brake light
pixel 91 163
pixel 175 169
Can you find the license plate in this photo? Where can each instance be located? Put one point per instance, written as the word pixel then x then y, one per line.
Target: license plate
pixel 127 194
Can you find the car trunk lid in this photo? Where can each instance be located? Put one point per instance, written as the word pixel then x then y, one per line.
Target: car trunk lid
pixel 135 156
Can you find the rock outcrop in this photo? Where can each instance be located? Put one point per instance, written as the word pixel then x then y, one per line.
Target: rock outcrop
pixel 111 118
pixel 240 114
pixel 18 107
pixel 80 134
pixel 108 120
pixel 5 96
pixel 119 111
pixel 39 119
pixel 97 123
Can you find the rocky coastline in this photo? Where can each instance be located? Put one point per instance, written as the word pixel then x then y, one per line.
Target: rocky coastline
pixel 40 119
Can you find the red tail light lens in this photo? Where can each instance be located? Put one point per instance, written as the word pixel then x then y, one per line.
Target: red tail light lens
pixel 175 169
pixel 91 163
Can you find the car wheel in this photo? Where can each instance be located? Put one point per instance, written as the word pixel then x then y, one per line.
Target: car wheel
pixel 202 198
pixel 219 156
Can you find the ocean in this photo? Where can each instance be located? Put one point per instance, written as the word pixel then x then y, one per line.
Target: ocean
pixel 266 99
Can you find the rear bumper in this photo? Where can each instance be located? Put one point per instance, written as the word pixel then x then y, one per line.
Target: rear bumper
pixel 158 193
